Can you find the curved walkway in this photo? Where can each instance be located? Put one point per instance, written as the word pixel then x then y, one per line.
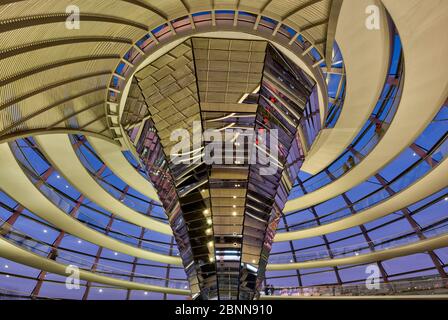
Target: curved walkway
pixel 416 247
pixel 365 80
pixel 14 253
pixel 432 182
pixel 16 184
pixel 421 25
pixel 59 151
pixel 113 157
pixel 404 297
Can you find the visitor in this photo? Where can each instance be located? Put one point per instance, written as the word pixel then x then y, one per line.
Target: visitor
pixel 351 162
pixel 378 129
pixel 54 254
pixel 271 290
pixel 267 290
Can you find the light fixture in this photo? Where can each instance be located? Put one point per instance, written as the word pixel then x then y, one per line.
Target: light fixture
pixel 209 221
pixel 234 213
pixel 45 230
pixel 100 290
pixel 116 253
pixel 6 266
pixel 234 206
pixel 206 211
pixel 79 241
pixel 210 244
pixel 212 259
pixel 253 261
pixel 208 231
pixel 146 293
pixel 234 197
pixel 58 176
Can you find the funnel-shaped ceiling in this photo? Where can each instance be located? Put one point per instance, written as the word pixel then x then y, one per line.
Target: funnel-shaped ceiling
pixel 227 124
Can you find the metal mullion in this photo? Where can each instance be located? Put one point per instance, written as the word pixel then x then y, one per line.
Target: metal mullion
pixel 406 212
pixel 100 249
pixel 168 269
pixel 324 237
pixel 140 241
pixel 364 231
pixel 293 251
pixel 54 249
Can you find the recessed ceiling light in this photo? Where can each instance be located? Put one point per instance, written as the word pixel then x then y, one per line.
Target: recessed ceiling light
pixel 100 290
pixel 45 230
pixel 6 266
pixel 234 197
pixel 209 221
pixel 234 213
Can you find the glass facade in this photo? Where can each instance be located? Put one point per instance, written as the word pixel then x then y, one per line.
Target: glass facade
pixel 257 87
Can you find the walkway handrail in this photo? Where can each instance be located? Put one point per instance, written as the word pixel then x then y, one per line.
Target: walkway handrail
pixel 405 178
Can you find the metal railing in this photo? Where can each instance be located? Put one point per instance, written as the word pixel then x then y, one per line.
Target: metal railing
pixel 408 176
pixel 66 205
pixel 431 286
pixel 384 243
pixel 43 249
